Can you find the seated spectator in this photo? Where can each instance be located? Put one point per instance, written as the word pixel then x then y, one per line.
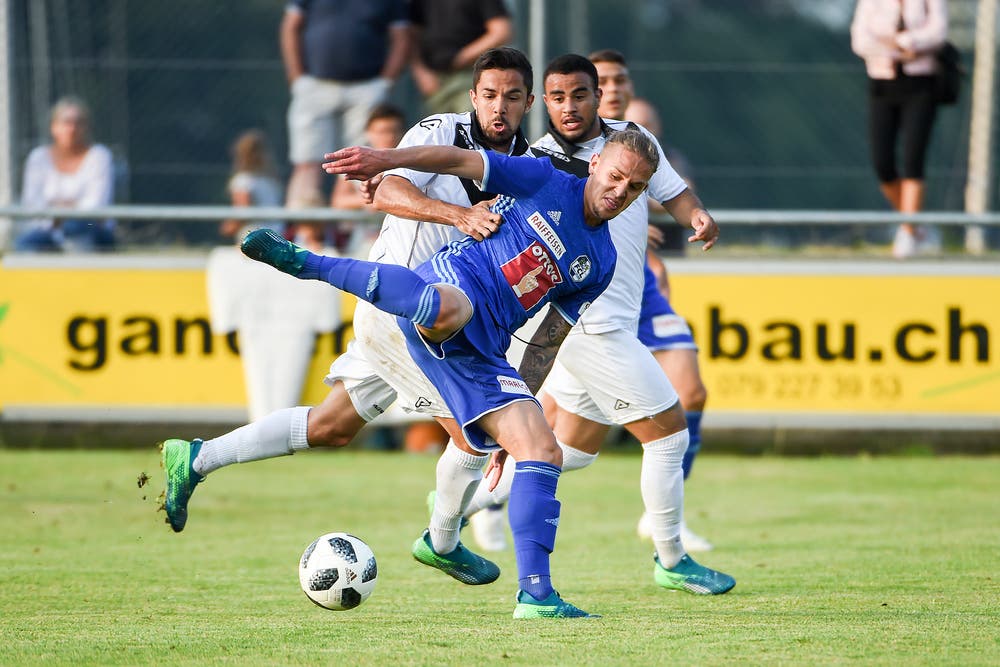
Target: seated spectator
pixel 71 172
pixel 253 183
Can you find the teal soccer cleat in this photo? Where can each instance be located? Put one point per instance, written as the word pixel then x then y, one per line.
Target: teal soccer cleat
pixel 461 564
pixel 178 459
pixel 551 607
pixel 265 245
pixel 689 576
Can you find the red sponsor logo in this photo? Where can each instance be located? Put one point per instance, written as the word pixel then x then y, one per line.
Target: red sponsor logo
pixel 532 274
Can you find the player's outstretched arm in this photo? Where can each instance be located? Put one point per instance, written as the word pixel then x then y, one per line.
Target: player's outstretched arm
pixel 540 353
pixel 361 162
pixel 687 209
pixel 399 197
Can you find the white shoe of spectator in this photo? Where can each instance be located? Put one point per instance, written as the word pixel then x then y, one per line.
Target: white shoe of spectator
pixel 692 541
pixel 904 245
pixel 489 527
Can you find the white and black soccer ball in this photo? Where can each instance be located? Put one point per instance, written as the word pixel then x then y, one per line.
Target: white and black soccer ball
pixel 338 571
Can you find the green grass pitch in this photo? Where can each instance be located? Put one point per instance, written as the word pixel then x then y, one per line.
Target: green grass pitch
pixel 838 561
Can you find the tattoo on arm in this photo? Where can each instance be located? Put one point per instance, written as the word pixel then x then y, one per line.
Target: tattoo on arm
pixel 541 352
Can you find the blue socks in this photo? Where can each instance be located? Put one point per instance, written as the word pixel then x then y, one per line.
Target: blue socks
pixel 694 442
pixel 534 516
pixel 391 288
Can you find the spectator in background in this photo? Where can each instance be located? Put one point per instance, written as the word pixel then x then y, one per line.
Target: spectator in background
pixel 254 182
pixel 341 58
pixel 71 172
pixel 450 36
pixel 385 127
pixel 897 40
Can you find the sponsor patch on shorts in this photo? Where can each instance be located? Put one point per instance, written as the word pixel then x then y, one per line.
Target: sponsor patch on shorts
pixel 509 385
pixel 665 326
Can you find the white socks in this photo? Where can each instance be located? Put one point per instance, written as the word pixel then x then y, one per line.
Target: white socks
pixel 573 459
pixel 662 484
pixel 458 474
pixel 278 434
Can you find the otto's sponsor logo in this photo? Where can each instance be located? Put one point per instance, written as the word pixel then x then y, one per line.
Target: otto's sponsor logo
pixel 580 268
pixel 510 385
pixel 532 274
pixel 555 216
pixel 548 234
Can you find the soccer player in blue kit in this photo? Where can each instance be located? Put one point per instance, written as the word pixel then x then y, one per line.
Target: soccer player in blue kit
pixel 458 310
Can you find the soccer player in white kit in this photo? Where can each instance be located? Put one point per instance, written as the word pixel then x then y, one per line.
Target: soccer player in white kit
pixel 603 374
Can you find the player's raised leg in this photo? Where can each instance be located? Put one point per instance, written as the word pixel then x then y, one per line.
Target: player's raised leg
pixel 394 289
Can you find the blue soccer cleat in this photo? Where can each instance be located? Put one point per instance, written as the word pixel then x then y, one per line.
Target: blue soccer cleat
pixel 551 607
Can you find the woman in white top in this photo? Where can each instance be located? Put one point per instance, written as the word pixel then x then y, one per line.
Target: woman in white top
pixel 897 40
pixel 71 172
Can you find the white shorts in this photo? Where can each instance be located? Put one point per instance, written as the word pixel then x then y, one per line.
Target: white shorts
pixel 383 345
pixel 370 394
pixel 325 116
pixel 609 378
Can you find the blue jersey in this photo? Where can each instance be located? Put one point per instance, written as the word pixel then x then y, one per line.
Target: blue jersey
pixel 543 253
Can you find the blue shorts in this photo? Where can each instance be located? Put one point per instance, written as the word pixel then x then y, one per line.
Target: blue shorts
pixel 470 370
pixel 660 327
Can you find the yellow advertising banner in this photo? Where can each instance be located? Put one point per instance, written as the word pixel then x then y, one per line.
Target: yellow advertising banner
pixel 879 343
pixel 110 337
pixel 770 342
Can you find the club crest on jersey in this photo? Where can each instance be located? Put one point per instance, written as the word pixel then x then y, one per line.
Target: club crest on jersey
pixel 531 274
pixel 579 269
pixel 548 234
pixel 509 385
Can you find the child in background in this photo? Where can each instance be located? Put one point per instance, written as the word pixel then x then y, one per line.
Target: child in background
pixel 253 183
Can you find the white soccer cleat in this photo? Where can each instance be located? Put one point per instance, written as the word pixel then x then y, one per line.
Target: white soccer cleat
pixel 644 529
pixel 489 527
pixel 692 541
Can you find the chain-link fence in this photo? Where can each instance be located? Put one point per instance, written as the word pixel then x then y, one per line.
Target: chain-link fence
pixel 763 97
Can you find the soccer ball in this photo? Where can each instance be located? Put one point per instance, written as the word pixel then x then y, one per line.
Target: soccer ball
pixel 338 571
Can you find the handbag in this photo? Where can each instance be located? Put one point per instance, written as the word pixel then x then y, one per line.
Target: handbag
pixel 948 80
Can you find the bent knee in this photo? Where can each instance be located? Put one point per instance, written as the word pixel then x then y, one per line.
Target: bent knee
pixel 693 398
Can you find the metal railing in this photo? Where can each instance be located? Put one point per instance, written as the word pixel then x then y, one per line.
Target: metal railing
pixel 722 216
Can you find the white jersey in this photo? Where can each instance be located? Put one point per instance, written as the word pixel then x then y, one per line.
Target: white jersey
pixel 618 307
pixel 411 242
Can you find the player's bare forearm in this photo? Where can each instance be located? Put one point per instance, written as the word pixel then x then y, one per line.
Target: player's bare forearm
pixel 687 209
pixel 360 162
pixel 540 354
pixel 398 196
